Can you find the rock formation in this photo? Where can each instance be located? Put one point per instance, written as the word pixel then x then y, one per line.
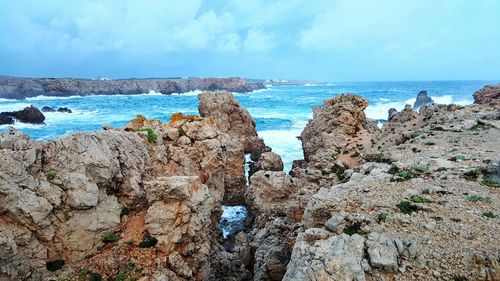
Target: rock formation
pixel 422 98
pixel 60 109
pixel 415 200
pixel 239 134
pixel 30 114
pixel 20 88
pixel 488 95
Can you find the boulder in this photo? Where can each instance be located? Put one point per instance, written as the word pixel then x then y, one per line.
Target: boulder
pixel 6 120
pixel 64 110
pixel 269 190
pixel 268 161
pixel 488 95
pixel 422 98
pixel 30 114
pixel 48 109
pixel 391 113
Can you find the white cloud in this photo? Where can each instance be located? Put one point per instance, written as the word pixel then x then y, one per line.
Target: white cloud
pixel 258 41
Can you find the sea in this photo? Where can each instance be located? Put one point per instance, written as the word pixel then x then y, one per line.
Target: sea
pixel 280 111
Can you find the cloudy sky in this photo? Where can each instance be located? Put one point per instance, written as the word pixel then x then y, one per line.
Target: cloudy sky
pixel 327 40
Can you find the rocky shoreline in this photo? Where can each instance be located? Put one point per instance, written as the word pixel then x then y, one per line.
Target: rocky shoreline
pixel 417 199
pixel 21 88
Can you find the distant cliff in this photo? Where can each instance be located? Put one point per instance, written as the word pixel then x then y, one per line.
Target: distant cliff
pixel 20 88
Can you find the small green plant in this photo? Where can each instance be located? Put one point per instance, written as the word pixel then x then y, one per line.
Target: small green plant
pixel 488 181
pixel 110 237
pixel 176 144
pixel 441 169
pixel 379 158
pixel 459 278
pixel 51 175
pixel 150 134
pixel 414 135
pixel 66 214
pixel 182 133
pixel 429 143
pixel 121 276
pixel 415 150
pixel 125 211
pixel 95 277
pixel 393 171
pixel 402 176
pixel 406 207
pixel 85 270
pixel 149 242
pixel 481 126
pixel 382 217
pixel 353 228
pixel 490 215
pixel 420 169
pixel 419 199
pixel 54 265
pixel 100 247
pixel 478 198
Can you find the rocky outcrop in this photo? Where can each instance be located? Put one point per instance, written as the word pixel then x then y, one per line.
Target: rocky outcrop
pixel 100 200
pixel 422 98
pixel 268 161
pixel 20 88
pixel 6 120
pixel 239 135
pixel 488 95
pixel 30 114
pixel 60 109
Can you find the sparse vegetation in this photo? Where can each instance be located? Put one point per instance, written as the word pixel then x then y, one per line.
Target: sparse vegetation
pixel 95 277
pixel 490 215
pixel 110 237
pixel 100 247
pixel 182 133
pixel 477 198
pixel 488 181
pixel 481 126
pixel 67 214
pixel 125 211
pixel 419 199
pixel 441 169
pixel 54 265
pixel 148 242
pixel 473 174
pixel 379 158
pixel 402 176
pixel 150 134
pixel 382 217
pixel 414 135
pixel 429 143
pixel 51 175
pixel 420 169
pixel 407 207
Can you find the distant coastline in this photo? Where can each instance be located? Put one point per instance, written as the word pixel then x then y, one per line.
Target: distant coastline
pixel 21 88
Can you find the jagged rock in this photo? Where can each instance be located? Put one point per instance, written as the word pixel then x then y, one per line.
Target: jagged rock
pixel 382 252
pixel 336 258
pixel 239 135
pixel 48 109
pixel 268 161
pixel 6 120
pixel 30 114
pixel 339 126
pixel 488 95
pixel 391 113
pixel 422 98
pixel 268 190
pixel 64 109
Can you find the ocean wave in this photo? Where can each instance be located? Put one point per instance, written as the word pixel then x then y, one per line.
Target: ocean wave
pixel 285 143
pixel 42 97
pixel 190 93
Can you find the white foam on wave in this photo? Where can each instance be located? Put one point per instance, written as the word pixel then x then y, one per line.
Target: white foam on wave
pixel 232 214
pixel 42 97
pixel 285 143
pixel 190 93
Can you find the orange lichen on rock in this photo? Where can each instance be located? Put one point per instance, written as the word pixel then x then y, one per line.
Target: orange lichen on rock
pixel 177 119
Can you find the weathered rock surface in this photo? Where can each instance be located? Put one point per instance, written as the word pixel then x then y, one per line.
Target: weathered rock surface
pixel 268 161
pixel 6 120
pixel 20 88
pixel 30 114
pixel 62 199
pixel 488 95
pixel 239 136
pixel 422 98
pixel 60 109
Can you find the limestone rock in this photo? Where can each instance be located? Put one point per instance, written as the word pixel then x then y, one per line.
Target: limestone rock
pixel 488 95
pixel 268 161
pixel 422 98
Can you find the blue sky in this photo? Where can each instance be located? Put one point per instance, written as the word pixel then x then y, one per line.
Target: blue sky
pixel 327 40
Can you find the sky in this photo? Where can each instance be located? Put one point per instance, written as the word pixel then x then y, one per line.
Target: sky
pixel 322 40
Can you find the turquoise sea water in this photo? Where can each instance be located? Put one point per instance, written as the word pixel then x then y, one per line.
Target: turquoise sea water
pixel 280 112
